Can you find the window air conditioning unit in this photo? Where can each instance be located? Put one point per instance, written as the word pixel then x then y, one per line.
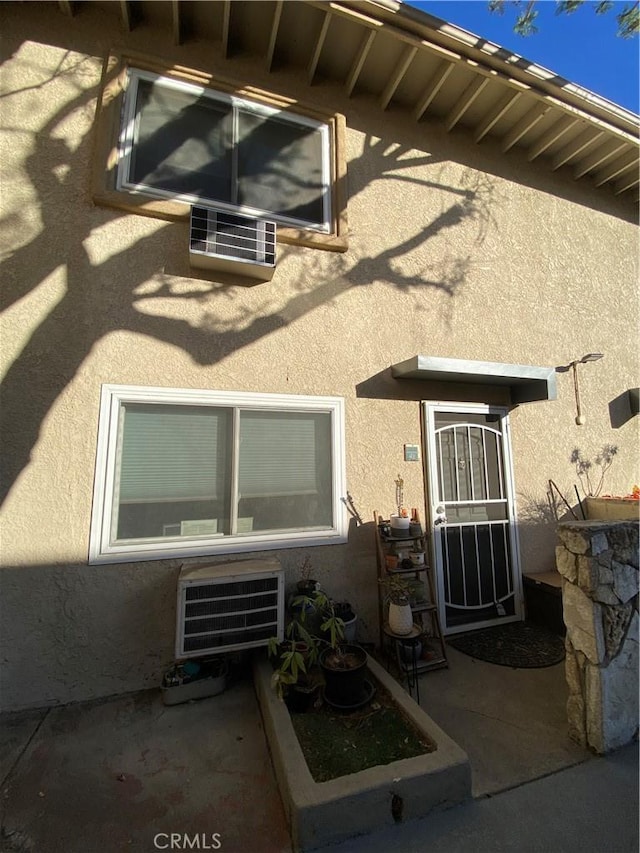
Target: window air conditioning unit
pixel 229 606
pixel 228 242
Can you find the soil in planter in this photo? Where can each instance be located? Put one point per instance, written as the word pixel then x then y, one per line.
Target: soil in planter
pixel 344 661
pixel 338 744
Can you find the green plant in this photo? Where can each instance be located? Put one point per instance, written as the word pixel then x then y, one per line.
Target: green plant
pixel 291 667
pixel 300 650
pixel 627 16
pixel 396 588
pixel 331 623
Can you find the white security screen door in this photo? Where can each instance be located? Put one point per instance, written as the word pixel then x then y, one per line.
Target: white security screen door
pixel 472 513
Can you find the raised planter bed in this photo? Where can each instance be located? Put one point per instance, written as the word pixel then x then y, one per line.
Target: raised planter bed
pixel 612 509
pixel 321 813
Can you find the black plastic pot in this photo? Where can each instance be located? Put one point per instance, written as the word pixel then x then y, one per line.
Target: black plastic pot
pixel 307 587
pixel 298 699
pixel 344 675
pixel 410 652
pixel 344 611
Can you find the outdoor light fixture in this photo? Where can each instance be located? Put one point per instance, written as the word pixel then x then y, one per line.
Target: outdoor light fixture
pixel 590 356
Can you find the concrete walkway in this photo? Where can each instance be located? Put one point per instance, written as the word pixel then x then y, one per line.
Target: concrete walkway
pixel 114 776
pixel 512 723
pixel 589 808
pixel 124 774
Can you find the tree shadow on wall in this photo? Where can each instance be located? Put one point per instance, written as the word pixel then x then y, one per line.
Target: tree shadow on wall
pixel 104 294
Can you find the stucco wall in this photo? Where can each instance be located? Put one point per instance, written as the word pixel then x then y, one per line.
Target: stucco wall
pixel 455 250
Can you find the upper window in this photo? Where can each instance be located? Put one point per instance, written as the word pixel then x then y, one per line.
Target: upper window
pixel 186 142
pixel 184 473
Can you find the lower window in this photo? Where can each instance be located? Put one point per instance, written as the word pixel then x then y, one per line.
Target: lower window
pixel 185 473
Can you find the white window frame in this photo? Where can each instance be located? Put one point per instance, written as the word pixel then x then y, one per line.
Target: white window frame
pixel 128 134
pixel 102 550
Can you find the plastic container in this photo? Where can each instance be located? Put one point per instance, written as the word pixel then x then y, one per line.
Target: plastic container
pixel 210 680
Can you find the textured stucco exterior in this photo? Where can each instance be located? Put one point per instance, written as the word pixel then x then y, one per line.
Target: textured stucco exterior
pixel 455 250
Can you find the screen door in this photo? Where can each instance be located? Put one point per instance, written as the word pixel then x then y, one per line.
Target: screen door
pixel 472 513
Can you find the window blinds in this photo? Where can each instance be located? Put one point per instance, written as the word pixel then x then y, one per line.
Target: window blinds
pixel 281 452
pixel 178 453
pixel 171 453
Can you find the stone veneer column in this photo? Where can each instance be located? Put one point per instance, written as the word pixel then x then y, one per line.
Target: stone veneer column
pixel 598 562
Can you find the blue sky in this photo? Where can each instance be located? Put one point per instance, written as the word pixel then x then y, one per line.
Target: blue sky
pixel 582 47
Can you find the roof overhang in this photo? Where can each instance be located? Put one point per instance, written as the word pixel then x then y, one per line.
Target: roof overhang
pixel 525 382
pixel 412 63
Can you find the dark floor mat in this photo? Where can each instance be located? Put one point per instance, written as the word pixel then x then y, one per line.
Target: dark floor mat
pixel 521 645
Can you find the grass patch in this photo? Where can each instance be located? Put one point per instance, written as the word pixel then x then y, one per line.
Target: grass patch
pixel 337 744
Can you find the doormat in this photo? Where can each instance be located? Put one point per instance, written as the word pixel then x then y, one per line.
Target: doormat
pixel 521 645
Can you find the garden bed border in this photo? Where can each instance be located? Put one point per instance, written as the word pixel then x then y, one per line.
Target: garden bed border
pixel 321 813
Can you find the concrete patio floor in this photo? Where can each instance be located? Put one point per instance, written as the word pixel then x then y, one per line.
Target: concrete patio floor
pixel 124 774
pixel 512 723
pixel 111 776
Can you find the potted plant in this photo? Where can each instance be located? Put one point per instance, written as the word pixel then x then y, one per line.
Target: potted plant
pixel 294 677
pixel 410 652
pixel 400 521
pixel 591 473
pixel 307 585
pixel 295 657
pixel 343 610
pixel 397 594
pixel 343 665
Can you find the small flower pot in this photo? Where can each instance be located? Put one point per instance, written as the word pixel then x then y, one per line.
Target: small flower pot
pixel 307 587
pixel 350 627
pixel 299 699
pixel 410 652
pixel 417 591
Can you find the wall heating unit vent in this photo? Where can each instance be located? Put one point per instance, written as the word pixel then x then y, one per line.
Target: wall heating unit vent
pixel 229 242
pixel 229 606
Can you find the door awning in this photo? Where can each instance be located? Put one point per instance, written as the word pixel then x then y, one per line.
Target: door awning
pixel 526 383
